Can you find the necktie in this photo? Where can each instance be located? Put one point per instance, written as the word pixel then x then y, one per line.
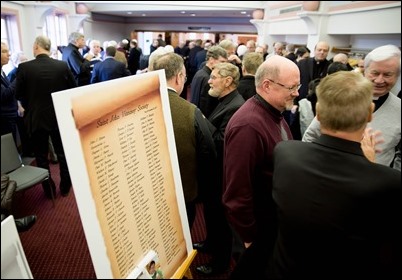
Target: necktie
pixel 5 80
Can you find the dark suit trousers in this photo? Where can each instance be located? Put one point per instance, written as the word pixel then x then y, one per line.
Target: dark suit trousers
pixel 219 234
pixel 9 125
pixel 40 141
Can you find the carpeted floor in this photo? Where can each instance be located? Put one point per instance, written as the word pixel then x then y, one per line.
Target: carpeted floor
pixel 56 247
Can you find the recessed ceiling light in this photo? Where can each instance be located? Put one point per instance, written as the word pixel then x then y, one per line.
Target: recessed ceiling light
pixel 144 15
pixel 129 13
pixel 243 12
pixel 193 15
pixel 183 12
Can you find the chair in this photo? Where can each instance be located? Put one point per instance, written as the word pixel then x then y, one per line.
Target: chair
pixel 26 176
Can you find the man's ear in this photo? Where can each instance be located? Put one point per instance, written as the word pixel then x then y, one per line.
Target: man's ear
pixel 317 111
pixel 177 81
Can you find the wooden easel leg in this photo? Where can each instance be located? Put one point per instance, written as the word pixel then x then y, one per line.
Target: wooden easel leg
pixel 184 269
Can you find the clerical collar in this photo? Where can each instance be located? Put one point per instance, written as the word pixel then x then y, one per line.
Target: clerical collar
pixel 317 61
pixel 378 101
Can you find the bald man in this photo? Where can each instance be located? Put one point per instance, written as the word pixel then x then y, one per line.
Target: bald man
pixel 251 135
pixel 310 68
pixel 344 59
pixel 313 67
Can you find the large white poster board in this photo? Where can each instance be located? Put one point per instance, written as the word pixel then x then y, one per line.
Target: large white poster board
pixel 119 143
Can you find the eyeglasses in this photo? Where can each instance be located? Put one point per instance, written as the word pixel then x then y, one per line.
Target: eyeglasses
pixel 290 89
pixel 212 77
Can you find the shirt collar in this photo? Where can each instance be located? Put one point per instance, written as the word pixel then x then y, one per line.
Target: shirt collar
pixel 172 89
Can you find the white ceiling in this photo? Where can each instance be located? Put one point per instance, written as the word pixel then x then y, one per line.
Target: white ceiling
pixel 181 14
pixel 191 11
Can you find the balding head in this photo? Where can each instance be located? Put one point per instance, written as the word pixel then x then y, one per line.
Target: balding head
pixel 277 81
pixel 341 57
pixel 41 45
pixel 276 67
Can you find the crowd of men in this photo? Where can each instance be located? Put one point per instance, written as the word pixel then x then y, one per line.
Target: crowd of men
pixel 295 159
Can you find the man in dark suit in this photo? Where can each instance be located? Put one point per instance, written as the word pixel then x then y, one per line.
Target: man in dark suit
pixel 200 86
pixel 109 68
pixel 200 57
pixel 310 69
pixel 79 66
pixel 195 47
pixel 313 67
pixel 9 107
pixel 290 52
pixel 36 81
pixel 339 212
pixel 134 56
pixel 251 62
pixel 223 83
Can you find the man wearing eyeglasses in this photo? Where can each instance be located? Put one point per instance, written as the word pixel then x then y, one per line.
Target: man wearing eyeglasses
pixel 382 68
pixel 195 146
pixel 250 137
pixel 223 83
pixel 199 84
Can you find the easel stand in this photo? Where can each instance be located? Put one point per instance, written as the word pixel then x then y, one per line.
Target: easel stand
pixel 184 269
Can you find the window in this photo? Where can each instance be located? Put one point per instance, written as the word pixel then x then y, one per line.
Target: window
pixel 10 32
pixel 4 31
pixel 55 28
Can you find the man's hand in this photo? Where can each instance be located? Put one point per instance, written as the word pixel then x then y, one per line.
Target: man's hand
pixel 369 143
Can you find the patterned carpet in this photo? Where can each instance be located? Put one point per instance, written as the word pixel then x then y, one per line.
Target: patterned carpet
pixel 56 247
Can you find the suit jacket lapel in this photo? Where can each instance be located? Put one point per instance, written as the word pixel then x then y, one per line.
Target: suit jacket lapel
pixel 5 81
pixel 311 68
pixel 222 105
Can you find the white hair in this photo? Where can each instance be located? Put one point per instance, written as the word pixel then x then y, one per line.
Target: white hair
pixel 241 50
pixel 154 56
pixel 112 43
pixel 169 48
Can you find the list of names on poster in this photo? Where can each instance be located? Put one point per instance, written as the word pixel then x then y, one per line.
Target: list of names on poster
pixel 128 163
